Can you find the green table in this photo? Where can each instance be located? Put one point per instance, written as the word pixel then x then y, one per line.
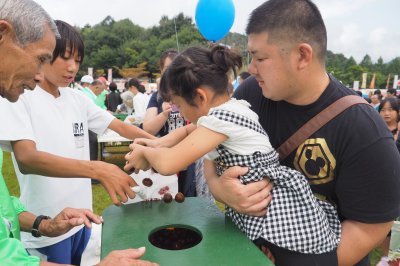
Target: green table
pixel 222 243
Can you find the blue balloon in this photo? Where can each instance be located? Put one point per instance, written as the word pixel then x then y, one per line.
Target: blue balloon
pixel 214 18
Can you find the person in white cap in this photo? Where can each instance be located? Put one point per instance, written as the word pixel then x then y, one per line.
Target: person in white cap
pixel 85 82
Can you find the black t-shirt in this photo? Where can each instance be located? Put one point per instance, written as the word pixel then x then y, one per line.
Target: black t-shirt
pixel 352 161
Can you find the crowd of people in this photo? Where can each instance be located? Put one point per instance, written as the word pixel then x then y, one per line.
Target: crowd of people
pixel 330 201
pixel 387 105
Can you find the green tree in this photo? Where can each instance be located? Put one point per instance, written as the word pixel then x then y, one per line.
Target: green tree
pixel 125 45
pixel 104 58
pixel 380 80
pixel 239 43
pixel 335 61
pixel 366 62
pixel 394 66
pixel 167 26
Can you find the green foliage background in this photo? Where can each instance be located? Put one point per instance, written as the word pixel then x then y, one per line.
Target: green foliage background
pixel 123 44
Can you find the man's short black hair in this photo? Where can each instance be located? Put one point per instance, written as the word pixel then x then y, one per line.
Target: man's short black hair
pixel 295 21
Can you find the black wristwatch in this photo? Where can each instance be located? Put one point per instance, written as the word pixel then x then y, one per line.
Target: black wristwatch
pixel 35 227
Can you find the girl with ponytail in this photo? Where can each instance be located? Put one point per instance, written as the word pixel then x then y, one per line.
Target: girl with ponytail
pixel 227 132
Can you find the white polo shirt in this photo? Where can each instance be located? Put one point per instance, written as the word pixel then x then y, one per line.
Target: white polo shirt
pixel 58 126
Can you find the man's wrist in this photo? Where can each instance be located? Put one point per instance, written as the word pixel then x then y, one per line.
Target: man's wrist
pixel 93 168
pixel 40 226
pixel 44 227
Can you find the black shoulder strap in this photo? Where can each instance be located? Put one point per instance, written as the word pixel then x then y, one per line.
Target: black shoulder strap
pixel 318 121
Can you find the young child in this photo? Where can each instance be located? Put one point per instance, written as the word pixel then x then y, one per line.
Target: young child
pixel 229 133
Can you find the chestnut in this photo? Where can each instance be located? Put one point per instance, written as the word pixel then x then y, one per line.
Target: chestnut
pixel 147 182
pixel 167 198
pixel 179 197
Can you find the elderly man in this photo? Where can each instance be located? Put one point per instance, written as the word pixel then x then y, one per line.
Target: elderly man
pixel 85 82
pixel 27 40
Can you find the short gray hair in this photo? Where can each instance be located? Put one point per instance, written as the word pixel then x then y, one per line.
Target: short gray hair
pixel 28 18
pixel 126 96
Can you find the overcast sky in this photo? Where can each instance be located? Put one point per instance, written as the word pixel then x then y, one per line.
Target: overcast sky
pixel 355 27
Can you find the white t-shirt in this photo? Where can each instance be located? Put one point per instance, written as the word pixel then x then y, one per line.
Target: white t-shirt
pixel 58 126
pixel 140 102
pixel 241 140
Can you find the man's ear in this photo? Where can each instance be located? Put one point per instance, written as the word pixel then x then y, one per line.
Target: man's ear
pixel 305 55
pixel 6 30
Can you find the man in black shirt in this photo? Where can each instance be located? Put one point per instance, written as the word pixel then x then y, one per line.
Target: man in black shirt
pixel 351 162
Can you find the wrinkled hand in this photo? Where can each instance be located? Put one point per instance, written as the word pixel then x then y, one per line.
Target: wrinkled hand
pixel 135 159
pixel 117 183
pixel 127 257
pixel 250 199
pixel 68 219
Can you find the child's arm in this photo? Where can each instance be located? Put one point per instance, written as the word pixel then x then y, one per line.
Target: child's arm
pixel 168 161
pixel 168 140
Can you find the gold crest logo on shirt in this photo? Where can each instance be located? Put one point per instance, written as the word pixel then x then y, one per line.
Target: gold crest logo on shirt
pixel 315 160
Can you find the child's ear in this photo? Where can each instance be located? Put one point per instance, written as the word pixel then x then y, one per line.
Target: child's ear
pixel 201 95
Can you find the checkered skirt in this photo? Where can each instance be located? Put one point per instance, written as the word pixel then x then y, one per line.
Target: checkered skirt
pixel 295 219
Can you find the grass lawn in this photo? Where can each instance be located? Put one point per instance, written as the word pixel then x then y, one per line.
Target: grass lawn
pixel 101 200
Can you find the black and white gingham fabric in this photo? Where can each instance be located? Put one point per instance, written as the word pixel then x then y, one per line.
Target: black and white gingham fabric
pixel 296 219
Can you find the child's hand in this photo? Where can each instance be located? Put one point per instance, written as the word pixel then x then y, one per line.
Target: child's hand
pixel 153 143
pixel 135 159
pixel 166 109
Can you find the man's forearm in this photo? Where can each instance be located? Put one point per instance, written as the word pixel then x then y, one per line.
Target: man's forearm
pixel 46 164
pixel 358 239
pixel 26 220
pixel 129 131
